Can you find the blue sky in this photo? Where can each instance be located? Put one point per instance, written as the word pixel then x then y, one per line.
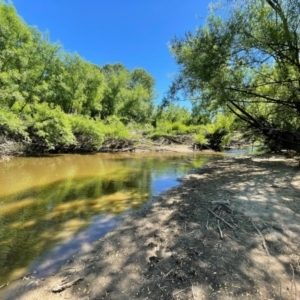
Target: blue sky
pixel 132 32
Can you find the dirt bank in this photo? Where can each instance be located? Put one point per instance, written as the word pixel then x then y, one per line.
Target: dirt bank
pixel 172 248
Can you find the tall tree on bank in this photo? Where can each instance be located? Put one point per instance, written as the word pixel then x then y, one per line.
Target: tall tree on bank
pixel 128 95
pixel 247 63
pixel 53 100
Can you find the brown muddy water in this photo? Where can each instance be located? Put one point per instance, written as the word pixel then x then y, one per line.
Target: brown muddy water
pixel 52 207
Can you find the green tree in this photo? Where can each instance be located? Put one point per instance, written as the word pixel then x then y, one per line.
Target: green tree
pixel 15 43
pixel 57 100
pixel 175 113
pixel 127 95
pixel 248 63
pixel 117 81
pixel 138 103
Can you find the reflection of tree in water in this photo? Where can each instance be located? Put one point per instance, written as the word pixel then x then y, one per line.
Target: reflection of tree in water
pixel 34 220
pixel 38 217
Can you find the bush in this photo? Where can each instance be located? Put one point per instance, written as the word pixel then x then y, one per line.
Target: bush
pixel 88 132
pixel 11 125
pixel 115 129
pixel 139 129
pixel 48 126
pixel 215 135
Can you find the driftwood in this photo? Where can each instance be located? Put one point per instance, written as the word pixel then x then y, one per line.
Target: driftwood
pixel 221 201
pixel 220 231
pixel 263 239
pixel 221 219
pixel 180 291
pixel 167 274
pixel 64 286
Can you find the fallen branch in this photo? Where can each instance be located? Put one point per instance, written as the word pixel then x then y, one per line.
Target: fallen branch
pixel 180 291
pixel 192 231
pixel 263 239
pixel 221 202
pixel 167 274
pixel 236 225
pixel 220 231
pixel 221 219
pixel 225 207
pixel 62 287
pixel 160 288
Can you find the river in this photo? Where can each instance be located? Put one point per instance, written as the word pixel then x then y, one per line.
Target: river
pixel 54 206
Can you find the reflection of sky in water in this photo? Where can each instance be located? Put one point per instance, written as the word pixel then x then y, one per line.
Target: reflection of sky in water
pixel 80 242
pixel 162 184
pixel 244 151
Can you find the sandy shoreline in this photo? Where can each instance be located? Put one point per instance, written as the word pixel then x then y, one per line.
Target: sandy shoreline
pixel 172 248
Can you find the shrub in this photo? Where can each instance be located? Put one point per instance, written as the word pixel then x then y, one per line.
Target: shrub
pixel 12 125
pixel 88 132
pixel 48 126
pixel 115 129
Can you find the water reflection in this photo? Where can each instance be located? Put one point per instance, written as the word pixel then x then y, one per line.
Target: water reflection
pixel 52 205
pixel 244 151
pixel 81 242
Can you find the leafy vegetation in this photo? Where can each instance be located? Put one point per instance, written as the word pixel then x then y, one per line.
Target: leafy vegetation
pixel 57 101
pixel 247 63
pixel 240 71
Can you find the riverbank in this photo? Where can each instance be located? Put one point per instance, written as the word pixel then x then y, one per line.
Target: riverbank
pixel 11 148
pixel 180 143
pixel 172 248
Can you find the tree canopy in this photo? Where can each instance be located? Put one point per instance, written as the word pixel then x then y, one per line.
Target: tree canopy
pixel 247 63
pixel 53 98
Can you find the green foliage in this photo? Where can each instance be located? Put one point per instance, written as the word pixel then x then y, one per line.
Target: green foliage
pixel 88 132
pixel 247 62
pixel 59 101
pixel 114 128
pixel 11 124
pixel 48 126
pixel 222 121
pixel 172 120
pixel 138 129
pixel 201 139
pixel 127 95
pixel 216 135
pixel 173 113
pixel 178 127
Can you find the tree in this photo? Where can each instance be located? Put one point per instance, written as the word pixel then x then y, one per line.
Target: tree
pixel 247 63
pixel 56 100
pixel 117 80
pixel 15 43
pixel 138 103
pixel 174 113
pixel 127 95
pixel 80 86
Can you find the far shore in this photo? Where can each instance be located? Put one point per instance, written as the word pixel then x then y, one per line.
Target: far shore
pixel 145 149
